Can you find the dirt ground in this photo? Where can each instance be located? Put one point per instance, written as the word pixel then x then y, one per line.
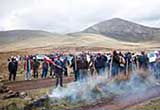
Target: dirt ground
pixel 35 84
pixel 153 104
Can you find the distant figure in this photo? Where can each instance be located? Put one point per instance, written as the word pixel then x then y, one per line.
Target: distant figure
pixel 115 64
pixel 28 67
pixel 58 70
pixel 75 64
pixel 45 66
pixel 12 68
pixel 100 64
pixel 143 61
pixel 157 70
pixel 128 59
pixel 51 70
pixel 65 62
pixel 91 65
pixel 134 62
pixel 122 63
pixel 36 65
pixel 83 67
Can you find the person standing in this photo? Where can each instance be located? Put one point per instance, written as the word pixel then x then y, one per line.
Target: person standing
pixel 91 65
pixel 76 65
pixel 115 64
pixel 83 66
pixel 100 64
pixel 121 63
pixel 28 67
pixel 12 68
pixel 44 69
pixel 36 65
pixel 143 61
pixel 65 62
pixel 58 70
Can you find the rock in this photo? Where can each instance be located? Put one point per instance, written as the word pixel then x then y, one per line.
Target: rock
pixel 43 97
pixel 3 88
pixel 27 98
pixel 7 92
pixel 23 94
pixel 11 94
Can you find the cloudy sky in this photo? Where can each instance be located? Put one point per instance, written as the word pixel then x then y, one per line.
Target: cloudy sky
pixel 63 16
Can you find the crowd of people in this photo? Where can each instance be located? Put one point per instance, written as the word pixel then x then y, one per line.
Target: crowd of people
pixel 84 65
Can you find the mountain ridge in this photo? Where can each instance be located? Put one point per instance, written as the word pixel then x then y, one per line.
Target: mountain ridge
pixel 115 28
pixel 124 30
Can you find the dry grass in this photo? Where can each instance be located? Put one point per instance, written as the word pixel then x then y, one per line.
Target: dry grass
pixel 80 40
pixel 153 104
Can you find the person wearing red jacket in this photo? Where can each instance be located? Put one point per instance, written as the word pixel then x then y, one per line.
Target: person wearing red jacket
pixel 28 67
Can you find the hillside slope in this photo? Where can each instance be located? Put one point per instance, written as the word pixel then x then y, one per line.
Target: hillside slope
pixel 124 30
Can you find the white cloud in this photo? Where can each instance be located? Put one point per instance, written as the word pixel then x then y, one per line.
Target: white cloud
pixel 73 15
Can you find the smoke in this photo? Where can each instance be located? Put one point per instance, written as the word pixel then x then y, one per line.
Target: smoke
pixel 99 87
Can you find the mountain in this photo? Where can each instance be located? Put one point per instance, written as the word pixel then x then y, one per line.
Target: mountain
pixel 124 30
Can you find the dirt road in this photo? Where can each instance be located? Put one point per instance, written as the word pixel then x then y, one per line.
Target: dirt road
pixel 34 84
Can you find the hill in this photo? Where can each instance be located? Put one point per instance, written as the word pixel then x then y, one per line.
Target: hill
pixel 21 35
pixel 124 30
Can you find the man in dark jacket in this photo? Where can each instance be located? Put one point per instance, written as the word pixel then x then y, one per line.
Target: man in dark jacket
pixel 83 66
pixel 44 69
pixel 100 64
pixel 75 65
pixel 115 64
pixel 128 64
pixel 12 68
pixel 143 61
pixel 58 70
pixel 36 65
